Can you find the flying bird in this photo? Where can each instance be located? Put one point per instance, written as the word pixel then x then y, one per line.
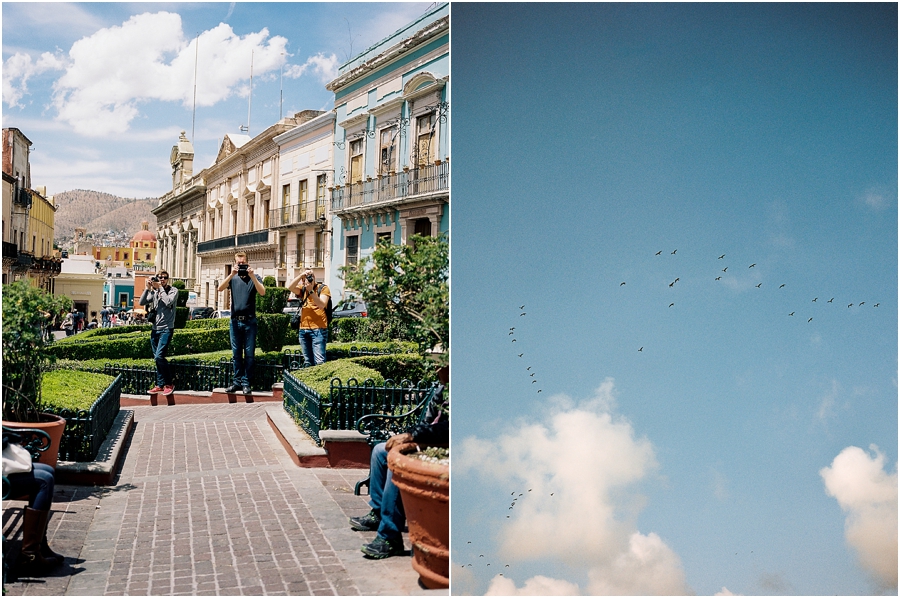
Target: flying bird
pixel 512 328
pixel 725 269
pixel 531 374
pixel 641 349
pixel 534 381
pixel 522 314
pixel 722 256
pixel 792 313
pixel 521 354
pixel 718 278
pixel 863 303
pixel 513 340
pixel 521 307
pixel 830 300
pixel 658 252
pixel 876 305
pixel 671 304
pixel 528 368
pixel 671 284
pixel 809 320
pixel 539 390
pixel 781 287
pixel 814 300
pixel 759 285
pixel 510 333
pixel 673 253
pixel 622 284
pixel 851 305
pixel 752 265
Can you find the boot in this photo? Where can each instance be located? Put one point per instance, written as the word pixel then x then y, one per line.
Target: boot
pixel 48 553
pixel 34 528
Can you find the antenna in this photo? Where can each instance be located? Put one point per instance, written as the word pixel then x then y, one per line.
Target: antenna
pixel 194 111
pixel 250 99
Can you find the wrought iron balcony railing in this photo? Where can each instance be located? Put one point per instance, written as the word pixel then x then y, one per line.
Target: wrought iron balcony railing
pixel 409 183
pixel 307 212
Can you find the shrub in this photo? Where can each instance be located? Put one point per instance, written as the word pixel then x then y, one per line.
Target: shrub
pixel 137 345
pixel 269 281
pixel 389 328
pixel 415 368
pixel 270 335
pixel 73 390
pixel 273 301
pixel 319 377
pixel 181 315
pixel 208 323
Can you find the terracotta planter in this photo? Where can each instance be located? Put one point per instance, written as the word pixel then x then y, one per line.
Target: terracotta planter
pixel 54 426
pixel 425 491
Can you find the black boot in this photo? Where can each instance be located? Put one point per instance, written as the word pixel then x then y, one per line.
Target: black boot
pixel 34 529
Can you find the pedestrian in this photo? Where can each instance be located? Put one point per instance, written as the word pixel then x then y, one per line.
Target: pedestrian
pixel 79 319
pixel 387 516
pixel 160 299
pixel 104 316
pixel 69 323
pixel 244 285
pixel 315 313
pixel 36 481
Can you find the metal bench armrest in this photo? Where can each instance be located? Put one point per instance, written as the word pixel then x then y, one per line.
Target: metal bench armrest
pixel 34 440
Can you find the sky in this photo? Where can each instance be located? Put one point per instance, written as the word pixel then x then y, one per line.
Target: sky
pixel 103 90
pixel 674 299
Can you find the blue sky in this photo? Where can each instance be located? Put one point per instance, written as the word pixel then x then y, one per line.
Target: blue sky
pixel 695 435
pixel 104 89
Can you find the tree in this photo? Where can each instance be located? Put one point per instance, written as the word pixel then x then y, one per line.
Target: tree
pixel 410 282
pixel 25 357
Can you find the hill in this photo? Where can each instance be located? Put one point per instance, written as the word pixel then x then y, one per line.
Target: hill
pixel 100 212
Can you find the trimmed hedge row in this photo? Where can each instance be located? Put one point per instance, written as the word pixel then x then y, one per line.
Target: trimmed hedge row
pixel 319 377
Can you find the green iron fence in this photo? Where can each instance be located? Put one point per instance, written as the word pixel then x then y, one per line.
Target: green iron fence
pixel 200 376
pixel 86 429
pixel 348 402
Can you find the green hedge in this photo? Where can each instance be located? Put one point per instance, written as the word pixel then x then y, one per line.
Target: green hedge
pixel 273 301
pixel 181 316
pixel 412 367
pixel 319 377
pixel 72 390
pixel 137 345
pixel 367 329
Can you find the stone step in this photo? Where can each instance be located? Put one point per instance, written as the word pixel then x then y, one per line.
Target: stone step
pixel 196 397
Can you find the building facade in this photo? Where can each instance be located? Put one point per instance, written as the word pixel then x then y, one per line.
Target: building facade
pixel 300 217
pixel 392 156
pixel 28 218
pixel 82 282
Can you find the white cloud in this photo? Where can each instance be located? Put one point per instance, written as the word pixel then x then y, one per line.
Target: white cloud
pixel 326 67
pixel 590 460
pixel 536 586
pixel 112 72
pixel 877 197
pixel 724 592
pixel 18 68
pixel 868 495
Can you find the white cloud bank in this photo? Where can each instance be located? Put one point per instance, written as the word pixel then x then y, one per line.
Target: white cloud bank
pixel 590 460
pixel 109 74
pixel 868 495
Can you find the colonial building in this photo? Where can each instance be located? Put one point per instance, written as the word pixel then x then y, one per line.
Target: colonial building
pixel 82 282
pixel 119 288
pixel 392 156
pixel 28 218
pixel 300 217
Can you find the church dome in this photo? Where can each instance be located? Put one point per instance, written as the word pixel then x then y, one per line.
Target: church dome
pixel 144 234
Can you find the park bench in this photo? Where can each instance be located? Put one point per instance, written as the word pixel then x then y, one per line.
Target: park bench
pixel 378 427
pixel 36 442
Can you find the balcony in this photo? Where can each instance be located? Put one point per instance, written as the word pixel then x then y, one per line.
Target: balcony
pixel 306 213
pixel 311 258
pixel 257 238
pixel 402 185
pixel 216 244
pixel 231 241
pixel 10 251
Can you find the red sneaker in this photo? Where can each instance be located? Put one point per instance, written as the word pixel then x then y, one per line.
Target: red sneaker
pixel 167 390
pixel 155 390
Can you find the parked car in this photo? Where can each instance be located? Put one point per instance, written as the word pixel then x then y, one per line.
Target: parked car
pixel 292 306
pixel 200 313
pixel 222 313
pixel 351 308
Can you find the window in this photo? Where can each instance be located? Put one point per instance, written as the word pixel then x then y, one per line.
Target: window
pixel 424 133
pixel 301 240
pixel 303 196
pixel 250 219
pixel 266 214
pixel 352 250
pixel 356 164
pixel 386 237
pixel 234 222
pixel 386 162
pixel 282 251
pixel 286 195
pixel 320 195
pixel 147 257
pixel 320 249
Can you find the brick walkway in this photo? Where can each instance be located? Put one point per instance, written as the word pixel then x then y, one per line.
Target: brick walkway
pixel 209 503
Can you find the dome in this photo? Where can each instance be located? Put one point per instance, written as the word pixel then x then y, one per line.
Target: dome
pixel 144 234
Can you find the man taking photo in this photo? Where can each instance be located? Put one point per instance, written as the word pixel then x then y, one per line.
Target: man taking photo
pixel 160 299
pixel 244 285
pixel 314 300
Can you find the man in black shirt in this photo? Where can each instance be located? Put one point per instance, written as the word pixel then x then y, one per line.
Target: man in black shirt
pixel 244 285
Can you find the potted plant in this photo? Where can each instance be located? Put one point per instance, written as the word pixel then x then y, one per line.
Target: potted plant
pixel 423 478
pixel 25 357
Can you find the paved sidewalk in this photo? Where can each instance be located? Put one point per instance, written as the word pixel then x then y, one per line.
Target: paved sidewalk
pixel 209 503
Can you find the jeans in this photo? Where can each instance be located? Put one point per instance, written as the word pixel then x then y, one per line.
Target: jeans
pixel 159 345
pixel 312 344
pixel 384 496
pixel 37 484
pixel 243 348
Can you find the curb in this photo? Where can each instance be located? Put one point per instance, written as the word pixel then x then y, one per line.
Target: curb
pixel 103 471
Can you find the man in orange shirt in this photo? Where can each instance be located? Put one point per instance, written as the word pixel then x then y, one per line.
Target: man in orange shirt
pixel 315 306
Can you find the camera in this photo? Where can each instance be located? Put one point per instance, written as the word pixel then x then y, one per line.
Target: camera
pixel 242 268
pixel 154 279
pixel 310 278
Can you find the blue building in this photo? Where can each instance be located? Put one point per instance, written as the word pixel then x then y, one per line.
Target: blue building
pixel 391 142
pixel 118 287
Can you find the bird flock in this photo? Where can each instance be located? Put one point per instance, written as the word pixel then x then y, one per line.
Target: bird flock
pixel 518 498
pixel 512 333
pixel 718 276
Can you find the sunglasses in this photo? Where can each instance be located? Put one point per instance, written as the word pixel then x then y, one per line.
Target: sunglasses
pixel 164 278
